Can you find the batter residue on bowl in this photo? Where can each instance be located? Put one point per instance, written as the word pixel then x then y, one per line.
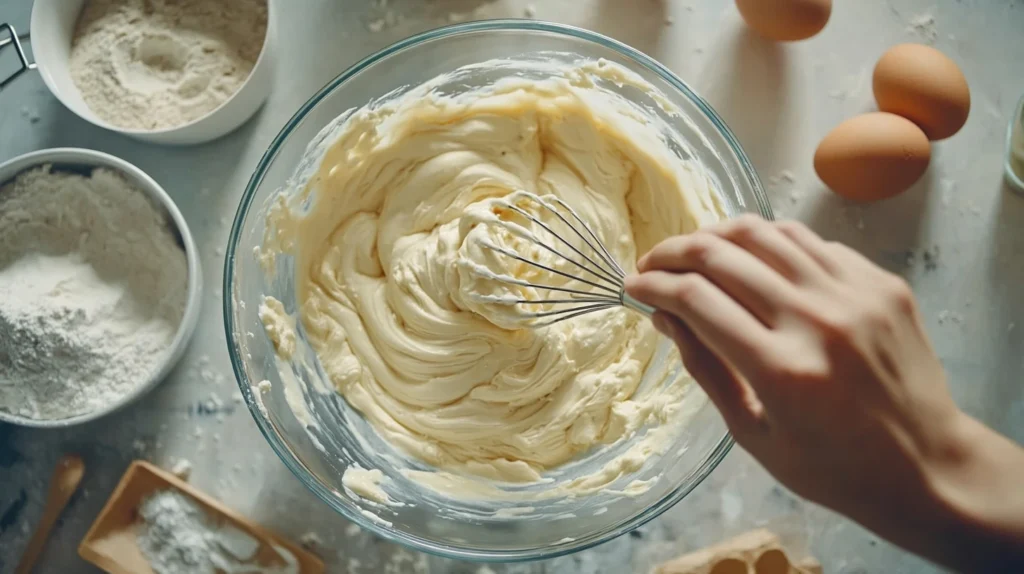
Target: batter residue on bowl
pixel 387 231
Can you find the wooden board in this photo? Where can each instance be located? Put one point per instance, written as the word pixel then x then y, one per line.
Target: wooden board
pixel 756 552
pixel 111 541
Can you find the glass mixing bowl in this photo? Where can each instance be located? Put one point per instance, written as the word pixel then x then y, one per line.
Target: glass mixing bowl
pixel 311 427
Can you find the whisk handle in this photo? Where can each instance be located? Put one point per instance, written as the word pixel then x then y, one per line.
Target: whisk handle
pixel 635 305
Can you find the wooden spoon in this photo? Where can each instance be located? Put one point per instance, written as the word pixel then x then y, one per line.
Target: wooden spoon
pixel 66 477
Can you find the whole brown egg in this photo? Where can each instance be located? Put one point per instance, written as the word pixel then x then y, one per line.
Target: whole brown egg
pixel 923 85
pixel 785 20
pixel 872 156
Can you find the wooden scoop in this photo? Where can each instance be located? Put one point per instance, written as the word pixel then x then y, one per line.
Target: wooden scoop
pixel 111 542
pixel 756 552
pixel 66 477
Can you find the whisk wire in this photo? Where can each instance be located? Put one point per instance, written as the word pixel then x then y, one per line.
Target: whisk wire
pixel 601 249
pixel 608 300
pixel 528 261
pixel 523 283
pixel 604 273
pixel 566 314
pixel 607 276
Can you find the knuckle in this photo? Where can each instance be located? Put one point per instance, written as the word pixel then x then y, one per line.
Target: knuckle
pixel 791 227
pixel 803 308
pixel 699 249
pixel 798 371
pixel 877 319
pixel 746 226
pixel 837 323
pixel 837 326
pixel 800 233
pixel 787 228
pixel 668 247
pixel 901 295
pixel 833 320
pixel 690 287
pixel 748 220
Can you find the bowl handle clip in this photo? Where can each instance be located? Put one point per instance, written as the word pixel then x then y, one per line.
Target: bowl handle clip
pixel 14 38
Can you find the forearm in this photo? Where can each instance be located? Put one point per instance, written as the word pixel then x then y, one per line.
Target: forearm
pixel 986 496
pixel 970 515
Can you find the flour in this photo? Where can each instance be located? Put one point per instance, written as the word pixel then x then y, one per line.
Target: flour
pixel 402 561
pixel 182 468
pixel 157 64
pixel 92 289
pixel 924 26
pixel 178 536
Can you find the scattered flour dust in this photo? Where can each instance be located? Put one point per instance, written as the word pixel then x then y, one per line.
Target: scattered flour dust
pixel 92 289
pixel 182 468
pixel 178 536
pixel 402 561
pixel 924 26
pixel 157 64
pixel 311 541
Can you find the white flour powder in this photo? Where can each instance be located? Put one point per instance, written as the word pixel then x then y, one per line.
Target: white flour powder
pixel 156 64
pixel 92 289
pixel 177 536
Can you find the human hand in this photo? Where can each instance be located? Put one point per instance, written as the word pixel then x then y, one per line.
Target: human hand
pixel 820 365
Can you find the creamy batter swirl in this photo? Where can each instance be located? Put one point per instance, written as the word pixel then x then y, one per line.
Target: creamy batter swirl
pixel 387 235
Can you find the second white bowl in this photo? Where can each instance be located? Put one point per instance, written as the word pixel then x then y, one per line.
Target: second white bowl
pixel 52 28
pixel 87 159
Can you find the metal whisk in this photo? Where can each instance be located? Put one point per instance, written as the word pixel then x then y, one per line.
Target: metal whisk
pixel 590 263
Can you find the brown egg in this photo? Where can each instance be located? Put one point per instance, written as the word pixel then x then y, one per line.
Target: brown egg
pixel 873 156
pixel 786 20
pixel 921 84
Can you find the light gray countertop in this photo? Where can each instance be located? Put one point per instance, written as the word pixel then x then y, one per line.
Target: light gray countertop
pixel 779 99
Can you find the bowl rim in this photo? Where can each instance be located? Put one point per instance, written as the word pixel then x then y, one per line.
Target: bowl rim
pixel 1016 122
pixel 190 315
pixel 39 12
pixel 284 451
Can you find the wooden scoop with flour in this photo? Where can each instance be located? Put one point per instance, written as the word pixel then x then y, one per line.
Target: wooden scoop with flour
pixel 112 540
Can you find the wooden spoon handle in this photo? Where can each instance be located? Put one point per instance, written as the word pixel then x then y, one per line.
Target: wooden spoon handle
pixel 66 477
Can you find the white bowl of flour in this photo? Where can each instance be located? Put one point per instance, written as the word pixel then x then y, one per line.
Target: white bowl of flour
pixel 165 71
pixel 99 286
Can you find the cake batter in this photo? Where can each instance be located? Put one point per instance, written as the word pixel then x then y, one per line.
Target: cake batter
pixel 386 236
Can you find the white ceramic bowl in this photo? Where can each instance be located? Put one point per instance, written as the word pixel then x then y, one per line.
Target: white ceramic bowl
pixel 51 30
pixel 1015 148
pixel 83 159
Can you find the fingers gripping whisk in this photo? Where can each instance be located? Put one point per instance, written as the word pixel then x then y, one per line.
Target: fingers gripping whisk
pixel 591 279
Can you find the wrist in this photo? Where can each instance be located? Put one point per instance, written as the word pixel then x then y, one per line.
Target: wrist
pixel 977 485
